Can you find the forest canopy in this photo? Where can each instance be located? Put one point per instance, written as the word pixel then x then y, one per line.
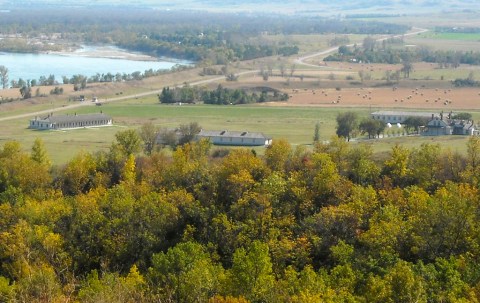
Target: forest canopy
pixel 331 224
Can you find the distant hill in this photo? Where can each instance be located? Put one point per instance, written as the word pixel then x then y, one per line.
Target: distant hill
pixel 321 7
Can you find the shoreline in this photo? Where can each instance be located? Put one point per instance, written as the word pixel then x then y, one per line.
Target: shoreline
pixel 106 52
pixel 100 51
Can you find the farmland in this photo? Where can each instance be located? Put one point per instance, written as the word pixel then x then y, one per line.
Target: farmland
pixel 318 91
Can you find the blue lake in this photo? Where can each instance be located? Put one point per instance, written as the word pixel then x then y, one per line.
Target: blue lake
pixel 33 66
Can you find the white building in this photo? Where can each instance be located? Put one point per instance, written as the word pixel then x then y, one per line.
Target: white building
pixel 70 121
pixel 442 127
pixel 394 117
pixel 235 138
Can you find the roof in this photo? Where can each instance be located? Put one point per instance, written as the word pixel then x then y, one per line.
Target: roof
pixel 402 113
pixel 462 124
pixel 231 134
pixel 75 118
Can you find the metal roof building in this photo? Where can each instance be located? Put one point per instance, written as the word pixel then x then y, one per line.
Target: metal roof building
pixel 70 121
pixel 237 138
pixel 400 116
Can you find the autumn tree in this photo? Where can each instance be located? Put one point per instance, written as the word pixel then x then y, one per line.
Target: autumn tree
pixel 188 132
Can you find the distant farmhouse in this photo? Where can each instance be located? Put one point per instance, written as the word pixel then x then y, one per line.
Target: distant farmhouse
pixel 226 137
pixel 70 121
pixel 399 116
pixel 437 125
pixel 441 127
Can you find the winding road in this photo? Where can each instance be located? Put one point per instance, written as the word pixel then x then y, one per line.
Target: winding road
pixel 300 60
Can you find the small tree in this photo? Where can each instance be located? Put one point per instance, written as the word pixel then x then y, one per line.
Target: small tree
pixel 371 127
pixel 128 141
pixel 188 132
pixel 39 153
pixel 407 68
pixel 316 134
pixel 4 76
pixel 148 133
pixel 26 91
pixel 347 124
pixel 293 68
pixel 414 123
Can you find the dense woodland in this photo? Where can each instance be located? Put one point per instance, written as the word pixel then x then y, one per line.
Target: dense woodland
pixel 335 224
pixel 199 36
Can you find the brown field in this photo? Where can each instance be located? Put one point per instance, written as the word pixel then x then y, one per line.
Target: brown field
pixel 417 98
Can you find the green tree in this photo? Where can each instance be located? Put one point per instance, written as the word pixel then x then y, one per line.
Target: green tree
pixel 39 154
pixel 424 165
pixel 347 124
pixel 414 123
pixel 371 127
pixel 148 132
pixel 471 172
pixel 185 273
pixel 128 141
pixel 251 274
pixel 362 169
pixel 405 284
pixel 316 133
pixel 166 96
pixel 112 288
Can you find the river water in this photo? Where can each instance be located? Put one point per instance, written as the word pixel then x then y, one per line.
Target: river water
pixel 33 66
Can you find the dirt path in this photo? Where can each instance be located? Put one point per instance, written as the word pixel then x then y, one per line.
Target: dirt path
pixel 301 60
pixel 87 103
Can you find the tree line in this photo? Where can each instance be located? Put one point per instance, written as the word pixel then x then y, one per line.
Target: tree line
pixel 219 96
pixel 375 52
pixel 210 37
pixel 332 224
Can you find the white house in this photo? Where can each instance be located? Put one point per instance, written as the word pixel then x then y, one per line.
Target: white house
pixel 441 127
pixel 235 138
pixel 70 121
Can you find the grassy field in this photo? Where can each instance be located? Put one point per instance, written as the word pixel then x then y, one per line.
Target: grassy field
pixel 295 124
pixel 452 36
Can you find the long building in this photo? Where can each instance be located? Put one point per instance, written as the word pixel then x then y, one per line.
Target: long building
pixel 400 116
pixel 236 138
pixel 70 121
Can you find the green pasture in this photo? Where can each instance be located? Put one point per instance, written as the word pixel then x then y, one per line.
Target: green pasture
pixel 295 124
pixel 452 36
